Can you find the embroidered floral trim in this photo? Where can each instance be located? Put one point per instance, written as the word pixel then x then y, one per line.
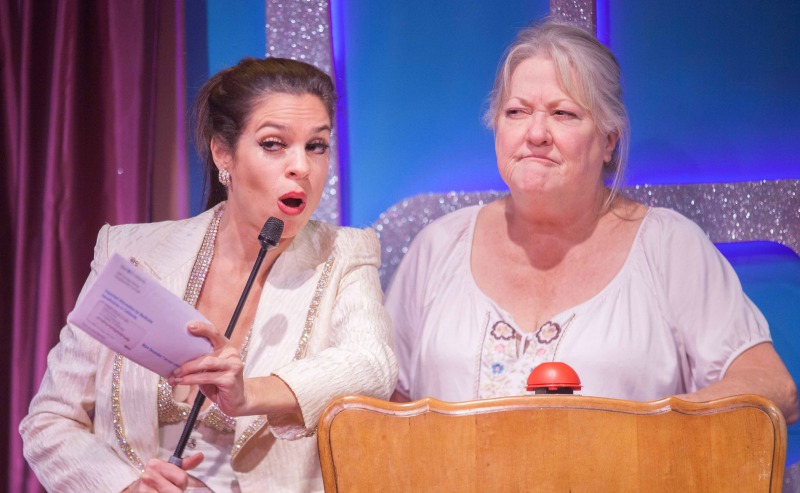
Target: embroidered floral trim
pixel 503 331
pixel 548 332
pixel 116 409
pixel 508 355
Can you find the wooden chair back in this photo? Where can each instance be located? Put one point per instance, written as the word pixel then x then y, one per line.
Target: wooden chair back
pixel 552 443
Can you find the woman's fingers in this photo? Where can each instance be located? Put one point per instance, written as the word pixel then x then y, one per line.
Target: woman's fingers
pixel 223 358
pixel 219 374
pixel 165 477
pixel 206 369
pixel 204 329
pixel 192 461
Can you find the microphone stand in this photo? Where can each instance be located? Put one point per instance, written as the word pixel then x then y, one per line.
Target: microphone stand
pixel 269 237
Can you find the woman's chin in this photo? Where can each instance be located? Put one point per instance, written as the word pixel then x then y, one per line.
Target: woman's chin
pixel 293 224
pixel 531 187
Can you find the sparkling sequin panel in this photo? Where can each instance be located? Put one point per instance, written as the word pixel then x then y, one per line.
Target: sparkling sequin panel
pixel 302 31
pixel 578 12
pixel 727 212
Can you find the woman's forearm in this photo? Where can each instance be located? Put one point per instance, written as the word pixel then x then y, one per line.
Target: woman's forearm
pixel 759 370
pixel 268 395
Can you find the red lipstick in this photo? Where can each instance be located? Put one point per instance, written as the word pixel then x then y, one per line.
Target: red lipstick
pixel 292 203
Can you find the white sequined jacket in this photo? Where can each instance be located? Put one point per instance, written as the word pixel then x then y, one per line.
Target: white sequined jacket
pixel 94 422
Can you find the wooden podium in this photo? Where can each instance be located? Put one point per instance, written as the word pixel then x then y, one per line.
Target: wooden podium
pixel 552 443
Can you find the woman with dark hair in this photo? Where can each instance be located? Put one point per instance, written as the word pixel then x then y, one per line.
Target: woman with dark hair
pixel 312 329
pixel 636 299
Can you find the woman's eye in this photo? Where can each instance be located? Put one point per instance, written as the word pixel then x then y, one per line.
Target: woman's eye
pixel 317 147
pixel 272 145
pixel 564 113
pixel 512 112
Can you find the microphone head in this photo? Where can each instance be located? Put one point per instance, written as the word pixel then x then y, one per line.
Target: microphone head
pixel 271 233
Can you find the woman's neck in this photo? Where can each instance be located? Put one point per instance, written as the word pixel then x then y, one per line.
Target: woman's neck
pixel 237 244
pixel 531 218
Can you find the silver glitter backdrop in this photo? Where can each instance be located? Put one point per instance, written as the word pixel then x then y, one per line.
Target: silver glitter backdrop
pixel 301 30
pixel 578 12
pixel 727 212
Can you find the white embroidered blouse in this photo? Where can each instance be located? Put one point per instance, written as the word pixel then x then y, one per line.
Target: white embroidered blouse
pixel 671 321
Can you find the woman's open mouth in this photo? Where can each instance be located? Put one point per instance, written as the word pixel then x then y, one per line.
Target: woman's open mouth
pixel 292 203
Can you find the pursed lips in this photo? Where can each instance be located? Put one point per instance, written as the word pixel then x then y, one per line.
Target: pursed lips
pixel 537 158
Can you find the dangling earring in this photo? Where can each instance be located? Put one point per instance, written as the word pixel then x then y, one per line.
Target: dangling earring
pixel 224 177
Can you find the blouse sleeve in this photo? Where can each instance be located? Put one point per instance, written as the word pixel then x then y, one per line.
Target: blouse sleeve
pixel 435 255
pixel 359 359
pixel 404 302
pixel 712 317
pixel 58 439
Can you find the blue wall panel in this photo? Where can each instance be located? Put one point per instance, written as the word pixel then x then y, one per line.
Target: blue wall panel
pixel 418 74
pixel 770 275
pixel 712 88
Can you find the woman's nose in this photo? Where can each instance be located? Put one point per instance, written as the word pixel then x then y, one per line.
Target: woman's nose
pixel 538 131
pixel 298 165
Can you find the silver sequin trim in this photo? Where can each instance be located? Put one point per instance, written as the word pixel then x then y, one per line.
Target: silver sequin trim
pixel 203 261
pixel 167 413
pixel 170 411
pixel 311 317
pixel 116 408
pixel 246 435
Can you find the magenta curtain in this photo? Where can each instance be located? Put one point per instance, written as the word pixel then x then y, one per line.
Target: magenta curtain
pixel 92 109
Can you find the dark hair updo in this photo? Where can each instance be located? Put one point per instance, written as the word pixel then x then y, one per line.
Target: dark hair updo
pixel 224 104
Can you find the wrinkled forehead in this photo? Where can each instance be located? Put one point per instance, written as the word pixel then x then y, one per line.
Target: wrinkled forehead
pixel 569 78
pixel 270 101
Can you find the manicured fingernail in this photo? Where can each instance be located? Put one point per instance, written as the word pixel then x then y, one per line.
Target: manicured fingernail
pixel 177 372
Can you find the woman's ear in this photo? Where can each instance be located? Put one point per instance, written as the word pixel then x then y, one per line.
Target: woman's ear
pixel 611 144
pixel 220 154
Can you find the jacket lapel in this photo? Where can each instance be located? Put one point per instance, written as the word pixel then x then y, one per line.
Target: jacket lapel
pixel 170 261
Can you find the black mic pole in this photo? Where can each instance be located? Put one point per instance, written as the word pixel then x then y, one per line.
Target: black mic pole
pixel 269 237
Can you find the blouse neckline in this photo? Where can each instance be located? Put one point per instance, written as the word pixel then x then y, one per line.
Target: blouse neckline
pixel 623 271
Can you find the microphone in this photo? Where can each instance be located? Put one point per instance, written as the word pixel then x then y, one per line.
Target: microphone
pixel 269 238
